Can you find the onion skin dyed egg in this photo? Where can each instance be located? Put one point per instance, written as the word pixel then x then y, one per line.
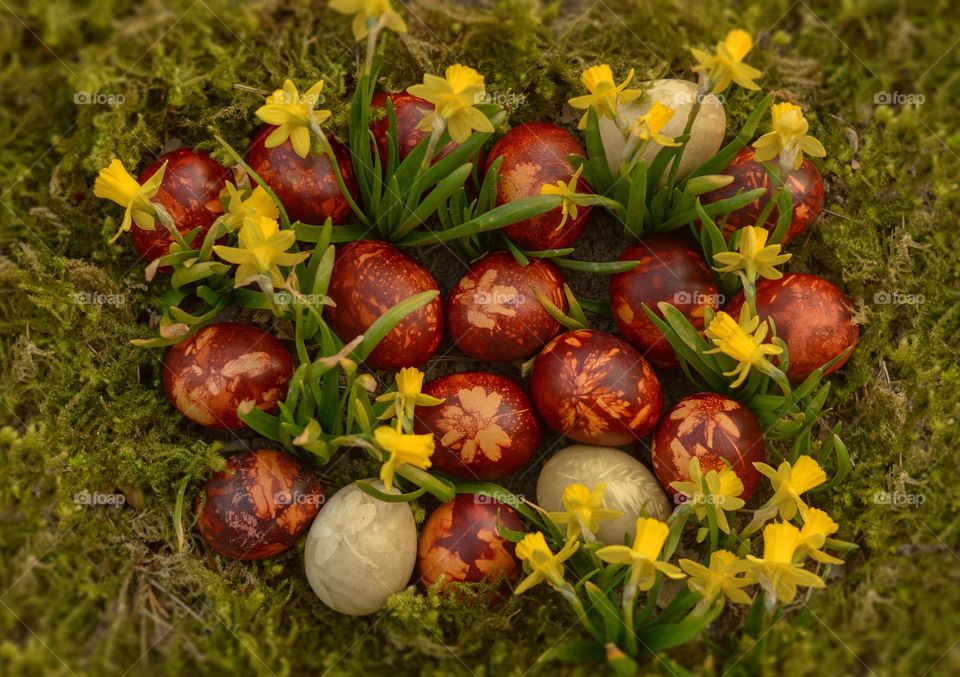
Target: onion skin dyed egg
pixel 806 188
pixel 493 313
pixel 307 187
pixel 629 487
pixel 534 154
pixel 360 550
pixel 370 277
pixel 718 431
pixel 670 270
pixel 596 388
pixel 259 505
pixel 486 427
pixel 208 375
pixel 460 543
pixel 190 192
pixel 814 318
pixel 409 111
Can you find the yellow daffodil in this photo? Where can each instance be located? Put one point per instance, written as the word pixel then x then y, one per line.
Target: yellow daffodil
pixel 721 580
pixel 606 96
pixel 115 183
pixel 789 482
pixel 367 14
pixel 568 191
pixel 743 341
pixel 454 97
pixel 726 65
pixel 723 491
pixel 263 249
pixel 402 448
pixel 293 115
pixel 647 127
pixel 788 139
pixel 584 511
pixel 544 565
pixel 644 557
pixel 817 527
pixel 776 571
pixel 239 208
pixel 407 395
pixel 754 258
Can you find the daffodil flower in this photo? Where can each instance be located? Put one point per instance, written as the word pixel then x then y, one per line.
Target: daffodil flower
pixel 240 208
pixel 263 249
pixel 647 127
pixel 584 511
pixel 644 557
pixel 788 138
pixel 293 115
pixel 567 191
pixel 605 97
pixel 721 579
pixel 115 183
pixel 817 527
pixel 368 14
pixel 755 257
pixel 543 564
pixel 743 341
pixel 402 449
pixel 726 65
pixel 776 571
pixel 723 491
pixel 454 97
pixel 407 395
pixel 789 482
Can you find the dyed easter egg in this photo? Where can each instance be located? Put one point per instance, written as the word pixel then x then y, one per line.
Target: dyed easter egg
pixel 307 187
pixel 805 185
pixel 534 154
pixel 409 111
pixel 629 487
pixel 190 192
pixel 670 270
pixel 360 550
pixel 493 313
pixel 813 317
pixel 484 429
pixel 716 430
pixel 595 388
pixel 259 505
pixel 706 135
pixel 460 543
pixel 209 374
pixel 369 278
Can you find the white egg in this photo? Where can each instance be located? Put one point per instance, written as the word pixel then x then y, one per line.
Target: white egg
pixel 360 550
pixel 630 487
pixel 706 136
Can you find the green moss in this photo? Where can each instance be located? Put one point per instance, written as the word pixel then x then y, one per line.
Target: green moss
pixel 92 590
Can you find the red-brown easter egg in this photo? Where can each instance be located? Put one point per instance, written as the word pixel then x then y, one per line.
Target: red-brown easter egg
pixel 806 189
pixel 596 388
pixel 493 313
pixel 208 375
pixel 369 278
pixel 259 505
pixel 670 270
pixel 716 430
pixel 460 543
pixel 190 192
pixel 409 111
pixel 534 154
pixel 813 317
pixel 486 427
pixel 307 187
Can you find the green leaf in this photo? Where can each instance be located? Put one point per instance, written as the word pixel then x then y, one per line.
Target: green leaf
pixel 598 267
pixel 499 217
pixel 719 162
pixel 386 322
pixel 390 498
pixel 444 189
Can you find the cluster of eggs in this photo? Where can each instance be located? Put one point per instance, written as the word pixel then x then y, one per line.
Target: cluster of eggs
pixel 591 387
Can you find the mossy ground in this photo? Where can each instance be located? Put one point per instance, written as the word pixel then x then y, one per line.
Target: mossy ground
pixel 105 590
